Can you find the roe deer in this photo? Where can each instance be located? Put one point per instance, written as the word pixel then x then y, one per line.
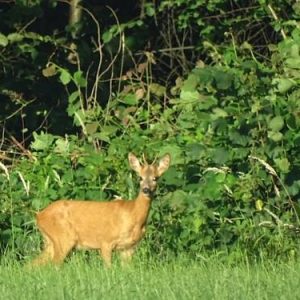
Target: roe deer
pixel 105 226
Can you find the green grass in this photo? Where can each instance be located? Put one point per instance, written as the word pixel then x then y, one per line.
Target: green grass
pixel 179 278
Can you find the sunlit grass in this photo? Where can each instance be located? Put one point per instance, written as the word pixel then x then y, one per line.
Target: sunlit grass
pixel 180 278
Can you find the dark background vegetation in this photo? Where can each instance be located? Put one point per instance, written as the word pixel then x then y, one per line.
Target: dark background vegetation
pixel 214 83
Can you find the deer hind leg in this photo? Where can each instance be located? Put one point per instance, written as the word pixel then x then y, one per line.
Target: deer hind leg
pixel 47 253
pixel 62 246
pixel 126 256
pixel 60 238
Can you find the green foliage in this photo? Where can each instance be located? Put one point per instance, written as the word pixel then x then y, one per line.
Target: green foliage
pixel 228 115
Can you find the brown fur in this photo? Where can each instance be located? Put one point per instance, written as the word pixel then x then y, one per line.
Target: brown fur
pixel 105 226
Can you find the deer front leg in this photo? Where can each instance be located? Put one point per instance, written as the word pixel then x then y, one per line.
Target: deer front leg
pixel 106 253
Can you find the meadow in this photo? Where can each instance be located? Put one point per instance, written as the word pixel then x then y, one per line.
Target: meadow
pixel 175 278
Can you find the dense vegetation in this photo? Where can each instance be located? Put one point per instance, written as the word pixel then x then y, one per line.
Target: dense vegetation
pixel 214 83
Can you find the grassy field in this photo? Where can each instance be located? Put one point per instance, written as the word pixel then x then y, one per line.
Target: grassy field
pixel 176 279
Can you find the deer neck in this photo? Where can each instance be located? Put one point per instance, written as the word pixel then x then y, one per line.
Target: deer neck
pixel 142 207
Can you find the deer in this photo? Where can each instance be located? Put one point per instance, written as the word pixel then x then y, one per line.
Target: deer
pixel 106 226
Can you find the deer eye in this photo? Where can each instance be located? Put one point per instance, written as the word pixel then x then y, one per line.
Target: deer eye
pixel 155 178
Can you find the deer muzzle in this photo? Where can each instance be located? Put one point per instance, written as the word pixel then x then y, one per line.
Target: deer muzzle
pixel 146 191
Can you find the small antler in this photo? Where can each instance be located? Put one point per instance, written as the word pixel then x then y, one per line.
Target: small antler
pixel 154 161
pixel 144 159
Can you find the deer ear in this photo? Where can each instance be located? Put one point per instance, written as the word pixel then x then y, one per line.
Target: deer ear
pixel 163 164
pixel 134 162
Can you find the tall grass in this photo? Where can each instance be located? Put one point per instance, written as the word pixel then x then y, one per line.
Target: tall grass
pixel 180 278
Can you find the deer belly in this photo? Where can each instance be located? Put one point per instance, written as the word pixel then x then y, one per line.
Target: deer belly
pixel 93 240
pixel 129 239
pixel 88 244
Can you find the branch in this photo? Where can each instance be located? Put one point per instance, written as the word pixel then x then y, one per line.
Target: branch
pixel 276 19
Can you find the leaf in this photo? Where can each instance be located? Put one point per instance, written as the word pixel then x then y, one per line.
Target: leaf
pixel 109 129
pixel 207 102
pixel 49 71
pixel 3 40
pixel 177 199
pixel 38 203
pixel 157 89
pixel 223 80
pixel 130 99
pixel 91 128
pixel 79 79
pixel 276 124
pixel 238 139
pixel 102 136
pixel 293 63
pixel 275 136
pixel 220 156
pixel 107 36
pixel 189 96
pixel 284 84
pixel 139 94
pixel 294 51
pixel 190 84
pixel 197 222
pixel 194 151
pixel 204 76
pixel 175 152
pixel 173 177
pixel 62 146
pixel 219 113
pixel 283 164
pixel 139 23
pixel 150 11
pixel 65 77
pixel 15 37
pixel 296 8
pixel 212 190
pixel 42 141
pixel 73 97
pixel 259 205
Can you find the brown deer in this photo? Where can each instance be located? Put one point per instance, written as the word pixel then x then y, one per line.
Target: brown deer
pixel 105 226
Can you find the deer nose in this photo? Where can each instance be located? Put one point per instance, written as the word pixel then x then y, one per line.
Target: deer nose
pixel 146 191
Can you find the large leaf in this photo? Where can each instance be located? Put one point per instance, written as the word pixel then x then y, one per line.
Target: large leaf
pixel 220 156
pixel 283 164
pixel 3 40
pixel 49 71
pixel 175 152
pixel 91 128
pixel 157 89
pixel 130 99
pixel 15 37
pixel 177 199
pixel 293 63
pixel 80 79
pixel 107 36
pixel 194 151
pixel 173 177
pixel 284 84
pixel 276 136
pixel 189 96
pixel 65 77
pixel 223 80
pixel 42 141
pixel 276 124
